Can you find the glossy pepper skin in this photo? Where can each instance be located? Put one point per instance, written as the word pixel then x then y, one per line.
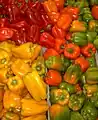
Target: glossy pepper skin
pixel 59 96
pixel 46 40
pixel 53 78
pixel 92 61
pixel 73 74
pixel 91 75
pixel 71 51
pixel 79 38
pixel 89 112
pixel 39 65
pixel 84 64
pixel 95 42
pixel 54 62
pixel 33 80
pixel 91 36
pixel 93 25
pixel 76 101
pixel 76 116
pixel 88 50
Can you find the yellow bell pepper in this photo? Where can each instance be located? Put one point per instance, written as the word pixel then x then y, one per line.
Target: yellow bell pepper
pixel 4 58
pixel 7 46
pixel 30 107
pixel 11 100
pixel 26 51
pixel 10 116
pixel 39 65
pixel 19 67
pixel 38 117
pixel 15 84
pixel 35 85
pixel 5 73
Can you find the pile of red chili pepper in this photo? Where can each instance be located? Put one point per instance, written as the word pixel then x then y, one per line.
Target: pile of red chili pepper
pixel 68 29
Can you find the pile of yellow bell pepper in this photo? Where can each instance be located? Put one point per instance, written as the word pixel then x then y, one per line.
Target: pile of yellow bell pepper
pixel 23 92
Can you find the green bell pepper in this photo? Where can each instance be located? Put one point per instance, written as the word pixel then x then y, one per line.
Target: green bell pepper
pixel 89 112
pixel 91 75
pixel 94 99
pixel 82 80
pixel 54 62
pixel 66 63
pixel 76 116
pixel 96 42
pixel 93 2
pixel 59 96
pixel 70 88
pixel 93 25
pixel 73 74
pixel 92 61
pixel 90 89
pixel 91 36
pixel 76 101
pixel 79 38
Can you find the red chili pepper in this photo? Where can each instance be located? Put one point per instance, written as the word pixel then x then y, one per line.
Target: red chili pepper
pixel 47 40
pixel 71 51
pixel 53 77
pixel 59 45
pixel 50 52
pixel 57 32
pixel 88 50
pixel 84 64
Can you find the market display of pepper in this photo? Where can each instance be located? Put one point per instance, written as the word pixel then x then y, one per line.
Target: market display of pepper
pixel 48 43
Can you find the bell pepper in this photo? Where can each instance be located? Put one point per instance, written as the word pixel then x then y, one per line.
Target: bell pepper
pixel 39 65
pixel 59 4
pixel 53 78
pixel 95 42
pixel 72 74
pixel 4 58
pixel 1 92
pixel 90 89
pixel 35 85
pixel 93 25
pixel 50 52
pixel 76 101
pixel 64 21
pixel 76 116
pixel 94 99
pixel 5 73
pixel 91 75
pixel 39 107
pixel 46 40
pixel 57 32
pixel 91 36
pixel 93 2
pixel 11 100
pixel 84 64
pixel 15 84
pixel 26 51
pixel 59 96
pixel 19 67
pixel 37 117
pixel 88 50
pixel 59 45
pixel 68 36
pixel 54 62
pixel 92 61
pixel 10 116
pixel 70 88
pixel 66 62
pixel 58 112
pixel 78 26
pixel 89 112
pixel 71 51
pixel 79 38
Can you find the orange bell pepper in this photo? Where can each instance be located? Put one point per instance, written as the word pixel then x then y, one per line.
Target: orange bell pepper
pixel 38 117
pixel 59 4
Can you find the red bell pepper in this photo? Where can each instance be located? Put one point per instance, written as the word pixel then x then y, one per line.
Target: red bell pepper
pixel 88 50
pixel 68 36
pixel 4 22
pixel 64 21
pixel 59 45
pixel 50 52
pixel 47 40
pixel 71 51
pixel 54 16
pixel 84 64
pixel 58 33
